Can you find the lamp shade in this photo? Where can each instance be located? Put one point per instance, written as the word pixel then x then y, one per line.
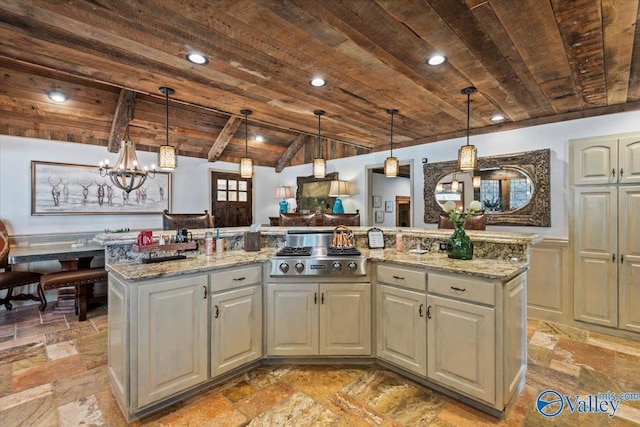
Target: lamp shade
pixel 319 168
pixel 167 159
pixel 391 167
pixel 467 157
pixel 477 181
pixel 339 189
pixel 246 167
pixel 284 193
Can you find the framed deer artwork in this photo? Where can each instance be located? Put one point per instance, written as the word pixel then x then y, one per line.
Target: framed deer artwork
pixel 66 189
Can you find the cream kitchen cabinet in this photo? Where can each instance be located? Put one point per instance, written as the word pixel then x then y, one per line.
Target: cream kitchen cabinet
pixel 606 160
pixel 607 255
pixel 236 318
pixel 318 319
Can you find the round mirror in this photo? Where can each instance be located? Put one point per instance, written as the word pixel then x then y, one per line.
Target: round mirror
pixel 500 189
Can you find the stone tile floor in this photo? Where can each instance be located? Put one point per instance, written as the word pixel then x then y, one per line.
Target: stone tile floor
pixel 53 373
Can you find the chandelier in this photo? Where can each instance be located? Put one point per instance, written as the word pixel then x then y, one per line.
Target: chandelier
pixel 127 173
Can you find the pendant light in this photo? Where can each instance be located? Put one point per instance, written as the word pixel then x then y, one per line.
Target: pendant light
pixel 319 163
pixel 477 181
pixel 468 155
pixel 246 164
pixel 454 183
pixel 391 163
pixel 167 158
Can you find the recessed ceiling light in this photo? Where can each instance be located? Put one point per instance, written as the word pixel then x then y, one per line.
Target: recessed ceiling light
pixel 197 58
pixel 436 60
pixel 57 96
pixel 258 138
pixel 317 82
pixel 497 118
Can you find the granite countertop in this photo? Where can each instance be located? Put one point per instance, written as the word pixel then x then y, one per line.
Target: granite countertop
pixel 442 234
pixel 486 268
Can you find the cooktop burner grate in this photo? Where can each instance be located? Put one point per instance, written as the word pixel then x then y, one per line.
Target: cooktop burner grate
pixel 295 251
pixel 343 252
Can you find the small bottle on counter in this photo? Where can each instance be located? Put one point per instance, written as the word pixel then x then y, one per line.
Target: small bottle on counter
pixel 399 245
pixel 208 243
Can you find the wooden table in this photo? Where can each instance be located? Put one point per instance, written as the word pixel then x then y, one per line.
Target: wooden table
pixel 70 258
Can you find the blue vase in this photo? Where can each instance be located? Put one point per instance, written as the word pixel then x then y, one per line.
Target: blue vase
pixel 284 206
pixel 459 245
pixel 337 207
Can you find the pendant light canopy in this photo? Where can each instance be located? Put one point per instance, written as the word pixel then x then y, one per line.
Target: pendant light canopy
pixel 167 157
pixel 468 155
pixel 391 163
pixel 319 163
pixel 246 164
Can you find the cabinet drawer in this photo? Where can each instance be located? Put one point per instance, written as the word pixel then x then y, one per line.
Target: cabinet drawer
pixel 462 288
pixel 413 279
pixel 235 278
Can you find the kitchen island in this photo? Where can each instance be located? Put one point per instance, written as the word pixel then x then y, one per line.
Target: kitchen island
pixel 457 326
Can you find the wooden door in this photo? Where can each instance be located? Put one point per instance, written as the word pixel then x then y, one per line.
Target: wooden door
pixel 236 328
pixel 402 328
pixel 403 211
pixel 629 257
pixel 595 282
pixel 461 347
pixel 345 319
pixel 231 199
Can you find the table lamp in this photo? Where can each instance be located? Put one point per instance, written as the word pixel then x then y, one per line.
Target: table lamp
pixel 284 193
pixel 339 189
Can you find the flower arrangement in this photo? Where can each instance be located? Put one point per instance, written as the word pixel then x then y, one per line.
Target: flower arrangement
pixel 459 218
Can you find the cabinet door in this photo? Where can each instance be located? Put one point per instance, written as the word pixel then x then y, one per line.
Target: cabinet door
pixel 594 162
pixel 236 328
pixel 292 319
pixel 172 339
pixel 461 347
pixel 514 353
pixel 629 258
pixel 402 328
pixel 595 288
pixel 629 160
pixel 345 319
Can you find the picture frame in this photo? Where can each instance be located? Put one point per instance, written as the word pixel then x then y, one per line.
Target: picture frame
pixel 379 217
pixel 376 201
pixel 72 189
pixel 312 193
pixel 388 206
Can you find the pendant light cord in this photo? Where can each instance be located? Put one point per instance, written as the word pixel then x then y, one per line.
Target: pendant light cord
pixel 166 93
pixel 468 114
pixel 246 136
pixel 319 113
pixel 391 111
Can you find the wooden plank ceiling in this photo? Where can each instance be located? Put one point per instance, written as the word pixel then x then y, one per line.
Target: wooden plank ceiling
pixel 533 61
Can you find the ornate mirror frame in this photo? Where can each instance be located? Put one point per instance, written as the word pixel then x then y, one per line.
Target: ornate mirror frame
pixel 301 180
pixel 535 164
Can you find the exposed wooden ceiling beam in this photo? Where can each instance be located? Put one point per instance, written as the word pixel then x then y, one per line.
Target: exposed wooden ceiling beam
pixel 224 137
pixel 291 151
pixel 121 118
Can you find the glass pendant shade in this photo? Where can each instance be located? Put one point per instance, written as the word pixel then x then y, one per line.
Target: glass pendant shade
pixel 167 159
pixel 477 181
pixel 439 188
pixel 391 167
pixel 454 185
pixel 319 168
pixel 246 164
pixel 467 157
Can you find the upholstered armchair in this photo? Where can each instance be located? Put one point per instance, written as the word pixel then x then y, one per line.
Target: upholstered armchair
pixel 11 279
pixel 477 222
pixel 293 219
pixel 173 221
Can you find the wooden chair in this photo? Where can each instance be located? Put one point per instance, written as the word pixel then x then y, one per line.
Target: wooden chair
pixel 11 279
pixel 293 219
pixel 477 222
pixel 173 221
pixel 83 279
pixel 350 219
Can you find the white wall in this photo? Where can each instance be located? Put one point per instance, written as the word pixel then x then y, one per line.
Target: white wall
pixel 388 189
pixel 191 179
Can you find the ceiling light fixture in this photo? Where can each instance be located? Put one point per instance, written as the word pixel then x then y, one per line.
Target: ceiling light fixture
pixel 391 163
pixel 497 118
pixel 197 58
pixel 258 138
pixel 468 155
pixel 318 82
pixel 57 96
pixel 436 60
pixel 246 164
pixel 127 174
pixel 319 163
pixel 167 156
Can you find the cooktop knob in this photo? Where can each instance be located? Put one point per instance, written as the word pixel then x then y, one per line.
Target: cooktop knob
pixel 284 267
pixel 352 266
pixel 337 266
pixel 299 267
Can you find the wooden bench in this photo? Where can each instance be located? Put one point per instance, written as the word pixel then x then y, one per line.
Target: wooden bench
pixel 83 279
